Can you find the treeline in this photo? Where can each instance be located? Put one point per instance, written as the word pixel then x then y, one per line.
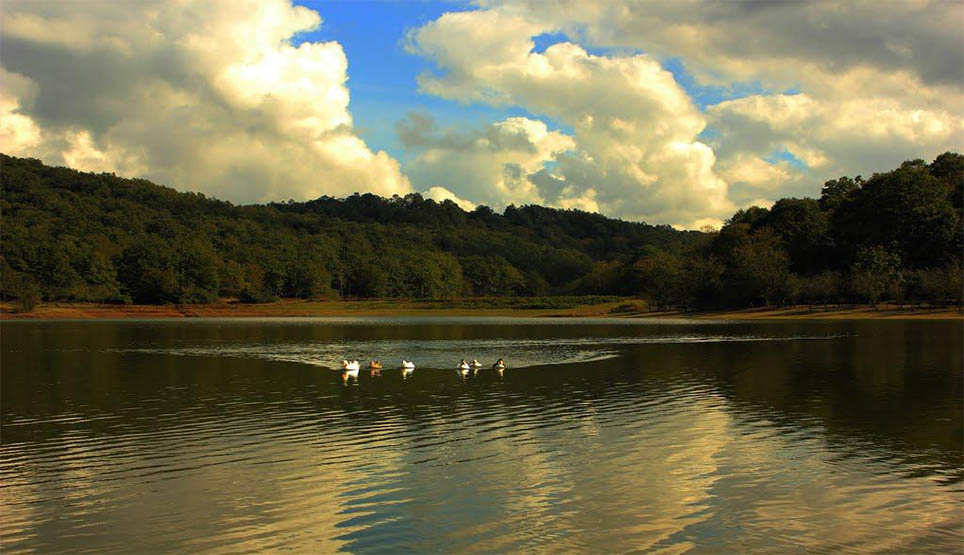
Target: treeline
pixel 894 237
pixel 74 236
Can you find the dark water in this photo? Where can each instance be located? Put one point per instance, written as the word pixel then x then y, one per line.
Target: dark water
pixel 601 436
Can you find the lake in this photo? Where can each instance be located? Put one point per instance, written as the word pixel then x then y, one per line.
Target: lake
pixel 602 435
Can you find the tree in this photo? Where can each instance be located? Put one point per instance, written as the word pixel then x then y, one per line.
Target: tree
pixel 605 278
pixel 822 288
pixel 9 280
pixel 702 282
pixel 658 274
pixel 535 284
pixel 28 293
pixel 875 271
pixel 371 280
pixel 305 278
pixel 147 272
pixel 97 237
pixel 907 207
pixel 837 191
pixel 804 231
pixel 231 278
pixel 752 216
pixel 760 270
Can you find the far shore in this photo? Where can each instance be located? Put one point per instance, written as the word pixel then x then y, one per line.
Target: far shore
pixel 626 308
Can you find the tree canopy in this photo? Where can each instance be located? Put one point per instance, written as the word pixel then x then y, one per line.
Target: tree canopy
pixel 75 236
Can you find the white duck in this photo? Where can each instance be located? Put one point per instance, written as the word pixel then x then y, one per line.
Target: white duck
pixel 475 364
pixel 408 365
pixel 349 374
pixel 499 365
pixel 350 366
pixel 463 365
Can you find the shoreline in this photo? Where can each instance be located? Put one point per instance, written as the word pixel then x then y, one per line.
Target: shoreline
pixel 293 308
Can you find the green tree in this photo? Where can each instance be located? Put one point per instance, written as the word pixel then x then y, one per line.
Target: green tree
pixel 371 280
pixel 605 278
pixel 907 207
pixel 823 288
pixel 760 270
pixel 658 275
pixel 28 293
pixel 232 279
pixel 702 282
pixel 306 278
pixel 147 272
pixel 804 231
pixel 875 271
pixel 837 191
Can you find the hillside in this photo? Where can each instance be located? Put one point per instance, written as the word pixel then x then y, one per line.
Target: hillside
pixel 98 237
pixel 75 236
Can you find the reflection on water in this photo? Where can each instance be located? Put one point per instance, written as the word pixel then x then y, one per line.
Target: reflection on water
pixel 600 436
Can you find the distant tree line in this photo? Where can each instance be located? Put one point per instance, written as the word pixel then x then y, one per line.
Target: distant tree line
pixel 72 236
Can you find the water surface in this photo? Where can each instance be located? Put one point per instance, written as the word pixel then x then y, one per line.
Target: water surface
pixel 601 436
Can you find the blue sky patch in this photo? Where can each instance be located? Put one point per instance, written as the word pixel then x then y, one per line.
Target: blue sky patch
pixel 784 155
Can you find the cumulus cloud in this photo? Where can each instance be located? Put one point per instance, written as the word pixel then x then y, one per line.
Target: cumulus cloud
pixel 440 194
pixel 729 41
pixel 874 86
pixel 493 165
pixel 634 150
pixel 868 88
pixel 207 96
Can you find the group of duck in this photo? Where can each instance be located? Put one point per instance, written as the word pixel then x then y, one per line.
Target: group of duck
pixel 351 367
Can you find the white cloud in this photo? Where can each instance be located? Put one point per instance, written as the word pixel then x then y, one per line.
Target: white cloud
pixel 17 131
pixel 213 96
pixel 586 201
pixel 872 86
pixel 207 96
pixel 440 194
pixel 634 128
pixel 832 137
pixel 492 166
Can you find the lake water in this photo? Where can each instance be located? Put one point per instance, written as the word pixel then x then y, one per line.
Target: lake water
pixel 600 436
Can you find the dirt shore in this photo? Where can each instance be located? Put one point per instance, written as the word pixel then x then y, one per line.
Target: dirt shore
pixel 301 308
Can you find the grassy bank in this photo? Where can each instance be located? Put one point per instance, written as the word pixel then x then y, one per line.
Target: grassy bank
pixel 592 306
pixel 546 307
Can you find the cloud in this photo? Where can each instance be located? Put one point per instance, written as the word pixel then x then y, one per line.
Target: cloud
pixel 492 165
pixel 830 137
pixel 634 149
pixel 440 194
pixel 729 41
pixel 206 96
pixel 842 88
pixel 872 87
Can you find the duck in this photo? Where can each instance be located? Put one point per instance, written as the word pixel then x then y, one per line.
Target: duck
pixel 463 365
pixel 499 365
pixel 375 365
pixel 350 366
pixel 475 364
pixel 408 365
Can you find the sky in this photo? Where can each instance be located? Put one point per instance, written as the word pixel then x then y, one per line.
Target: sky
pixel 666 112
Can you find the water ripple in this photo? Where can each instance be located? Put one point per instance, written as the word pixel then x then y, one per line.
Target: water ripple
pixel 585 444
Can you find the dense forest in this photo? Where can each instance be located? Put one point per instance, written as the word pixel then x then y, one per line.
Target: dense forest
pixel 74 236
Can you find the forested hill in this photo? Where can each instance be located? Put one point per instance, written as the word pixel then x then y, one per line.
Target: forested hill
pixel 68 235
pixel 86 236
